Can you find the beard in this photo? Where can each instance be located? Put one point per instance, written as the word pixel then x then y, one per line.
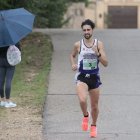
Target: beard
pixel 87 36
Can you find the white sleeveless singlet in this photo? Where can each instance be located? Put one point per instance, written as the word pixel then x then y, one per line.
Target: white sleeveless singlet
pixel 87 59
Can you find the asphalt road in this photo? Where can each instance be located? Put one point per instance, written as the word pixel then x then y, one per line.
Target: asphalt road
pixel 119 117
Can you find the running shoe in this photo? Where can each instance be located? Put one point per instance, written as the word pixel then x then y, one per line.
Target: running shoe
pixel 85 123
pixel 93 131
pixel 10 104
pixel 2 103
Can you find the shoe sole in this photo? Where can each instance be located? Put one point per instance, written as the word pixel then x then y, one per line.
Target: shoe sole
pixel 10 106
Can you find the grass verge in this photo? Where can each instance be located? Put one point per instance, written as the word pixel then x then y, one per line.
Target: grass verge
pixel 29 86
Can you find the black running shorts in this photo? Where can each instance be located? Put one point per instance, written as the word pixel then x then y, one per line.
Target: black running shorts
pixel 92 80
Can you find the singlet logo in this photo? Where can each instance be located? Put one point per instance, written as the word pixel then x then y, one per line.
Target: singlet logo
pixel 89 56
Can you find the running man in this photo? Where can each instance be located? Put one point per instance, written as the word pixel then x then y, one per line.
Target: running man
pixel 90 52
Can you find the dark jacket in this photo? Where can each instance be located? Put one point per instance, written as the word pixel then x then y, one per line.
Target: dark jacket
pixel 3 50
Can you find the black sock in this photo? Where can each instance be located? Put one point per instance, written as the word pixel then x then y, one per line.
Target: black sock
pixel 86 115
pixel 93 125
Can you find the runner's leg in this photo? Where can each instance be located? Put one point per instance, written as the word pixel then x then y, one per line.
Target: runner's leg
pixel 94 98
pixel 82 92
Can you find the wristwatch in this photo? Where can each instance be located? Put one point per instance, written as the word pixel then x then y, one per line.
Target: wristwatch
pixel 99 55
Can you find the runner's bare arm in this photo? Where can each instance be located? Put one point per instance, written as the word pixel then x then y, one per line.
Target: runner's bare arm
pixel 101 54
pixel 73 55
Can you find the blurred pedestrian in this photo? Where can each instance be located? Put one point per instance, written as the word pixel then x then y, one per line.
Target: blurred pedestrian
pixel 6 75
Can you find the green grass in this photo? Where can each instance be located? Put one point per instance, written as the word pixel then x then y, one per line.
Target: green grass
pixel 30 82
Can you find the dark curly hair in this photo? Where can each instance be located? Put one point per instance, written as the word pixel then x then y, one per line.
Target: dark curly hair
pixel 88 22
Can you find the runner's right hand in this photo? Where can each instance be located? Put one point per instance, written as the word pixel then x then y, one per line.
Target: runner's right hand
pixel 74 67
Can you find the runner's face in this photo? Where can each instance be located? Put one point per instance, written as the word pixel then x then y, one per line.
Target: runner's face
pixel 87 31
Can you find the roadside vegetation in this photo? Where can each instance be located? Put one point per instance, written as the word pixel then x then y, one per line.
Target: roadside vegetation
pixel 29 90
pixel 49 13
pixel 31 75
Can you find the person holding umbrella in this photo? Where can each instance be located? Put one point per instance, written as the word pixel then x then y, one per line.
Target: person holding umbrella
pixel 12 30
pixel 6 75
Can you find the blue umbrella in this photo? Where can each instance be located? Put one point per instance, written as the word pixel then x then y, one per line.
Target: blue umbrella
pixel 15 24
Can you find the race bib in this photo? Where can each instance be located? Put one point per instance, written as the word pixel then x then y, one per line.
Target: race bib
pixel 89 64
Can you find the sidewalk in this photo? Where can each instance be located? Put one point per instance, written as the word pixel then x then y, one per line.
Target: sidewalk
pixel 120 97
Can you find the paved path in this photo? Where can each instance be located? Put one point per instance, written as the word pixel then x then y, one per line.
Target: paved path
pixel 119 117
